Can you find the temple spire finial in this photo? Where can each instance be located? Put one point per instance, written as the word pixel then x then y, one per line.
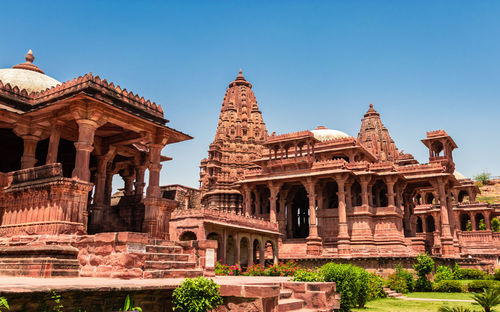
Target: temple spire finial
pixel 29 56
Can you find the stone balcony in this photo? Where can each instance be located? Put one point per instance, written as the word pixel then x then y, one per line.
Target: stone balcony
pixel 225 217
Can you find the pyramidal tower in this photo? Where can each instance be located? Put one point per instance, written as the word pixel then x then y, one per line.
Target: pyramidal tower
pixel 241 131
pixel 375 137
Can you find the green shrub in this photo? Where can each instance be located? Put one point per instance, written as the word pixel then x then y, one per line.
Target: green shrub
pixel 4 304
pixel 443 273
pixel 196 295
pixel 482 285
pixel 375 287
pixel 423 266
pixel 497 274
pixel 352 283
pixel 454 309
pixel 401 280
pixel 483 177
pixel 448 286
pixel 307 275
pixel 474 274
pixel 481 226
pixel 495 225
pixel 457 273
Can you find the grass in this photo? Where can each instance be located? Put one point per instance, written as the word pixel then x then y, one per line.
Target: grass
pixel 440 295
pixel 399 305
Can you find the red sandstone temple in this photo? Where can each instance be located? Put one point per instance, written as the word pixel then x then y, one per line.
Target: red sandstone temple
pixel 62 145
pixel 318 195
pixel 314 195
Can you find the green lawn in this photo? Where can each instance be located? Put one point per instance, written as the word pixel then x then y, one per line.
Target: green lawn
pixel 399 305
pixel 440 295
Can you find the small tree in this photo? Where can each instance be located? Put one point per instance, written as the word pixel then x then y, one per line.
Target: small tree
pixel 482 225
pixel 487 300
pixel 483 177
pixel 197 295
pixel 423 266
pixel 4 304
pixel 495 225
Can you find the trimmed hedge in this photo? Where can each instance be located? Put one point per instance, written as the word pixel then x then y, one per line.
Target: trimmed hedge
pixel 352 283
pixel 449 286
pixel 482 285
pixel 474 274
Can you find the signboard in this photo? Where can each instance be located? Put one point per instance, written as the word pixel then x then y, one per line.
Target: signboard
pixel 210 258
pixel 136 248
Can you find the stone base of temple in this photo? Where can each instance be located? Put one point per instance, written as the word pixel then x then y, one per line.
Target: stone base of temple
pixel 111 255
pixel 314 246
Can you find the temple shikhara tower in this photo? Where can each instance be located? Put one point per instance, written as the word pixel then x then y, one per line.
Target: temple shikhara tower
pixel 241 131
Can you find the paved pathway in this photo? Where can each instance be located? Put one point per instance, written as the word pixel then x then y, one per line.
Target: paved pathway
pixel 434 299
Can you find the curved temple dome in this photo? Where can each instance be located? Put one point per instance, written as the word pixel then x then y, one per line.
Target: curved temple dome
pixel 324 134
pixel 27 76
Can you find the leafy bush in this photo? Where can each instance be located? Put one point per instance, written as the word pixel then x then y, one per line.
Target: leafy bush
pixel 352 283
pixel 474 274
pixel 443 273
pixel 282 269
pixel 423 266
pixel 483 177
pixel 54 303
pixel 482 285
pixel 401 280
pixel 481 226
pixel 129 305
pixel 4 304
pixel 375 287
pixel 457 272
pixel 196 295
pixel 307 275
pixel 495 225
pixel 497 274
pixel 448 286
pixel 224 269
pixel 255 270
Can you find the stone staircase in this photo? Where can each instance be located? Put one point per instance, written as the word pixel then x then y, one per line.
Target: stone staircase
pixel 317 297
pixel 392 294
pixel 164 259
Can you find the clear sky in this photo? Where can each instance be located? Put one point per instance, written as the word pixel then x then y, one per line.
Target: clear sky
pixel 425 65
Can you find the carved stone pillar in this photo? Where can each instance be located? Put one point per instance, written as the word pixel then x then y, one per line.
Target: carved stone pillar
pixel 28 159
pixel 128 179
pixel 446 237
pixel 247 194
pixel 343 237
pixel 473 221
pixel 390 181
pixel 273 190
pixel 364 180
pixel 139 179
pixel 97 214
pixel 348 198
pixel 314 242
pixel 55 137
pixel 86 131
pixel 281 215
pixel 153 192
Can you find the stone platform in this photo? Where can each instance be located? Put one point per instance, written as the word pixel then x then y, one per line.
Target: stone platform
pixel 154 295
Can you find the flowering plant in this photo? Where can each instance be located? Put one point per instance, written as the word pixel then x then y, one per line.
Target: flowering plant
pixel 230 270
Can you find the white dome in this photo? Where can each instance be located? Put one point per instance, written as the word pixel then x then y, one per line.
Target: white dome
pixel 325 134
pixel 458 175
pixel 30 80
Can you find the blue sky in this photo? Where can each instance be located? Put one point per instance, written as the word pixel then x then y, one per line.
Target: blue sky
pixel 425 65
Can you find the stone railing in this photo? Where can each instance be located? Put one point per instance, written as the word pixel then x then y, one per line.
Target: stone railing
pixel 226 217
pixel 332 164
pixel 476 236
pixel 40 200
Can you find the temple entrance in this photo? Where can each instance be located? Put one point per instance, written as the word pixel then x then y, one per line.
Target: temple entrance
pixel 300 214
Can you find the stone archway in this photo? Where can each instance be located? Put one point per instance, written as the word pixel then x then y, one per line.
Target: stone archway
pixel 244 252
pixel 230 250
pixel 464 221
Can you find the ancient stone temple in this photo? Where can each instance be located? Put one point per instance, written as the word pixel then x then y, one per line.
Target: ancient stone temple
pixel 242 238
pixel 336 196
pixel 63 143
pixel 241 131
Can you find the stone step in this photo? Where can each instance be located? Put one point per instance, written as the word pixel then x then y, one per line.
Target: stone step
pixel 176 273
pixel 163 249
pixel 153 256
pixel 160 242
pixel 167 265
pixel 290 304
pixel 285 293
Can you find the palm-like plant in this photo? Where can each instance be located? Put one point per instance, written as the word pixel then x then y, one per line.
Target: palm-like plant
pixel 453 309
pixel 487 300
